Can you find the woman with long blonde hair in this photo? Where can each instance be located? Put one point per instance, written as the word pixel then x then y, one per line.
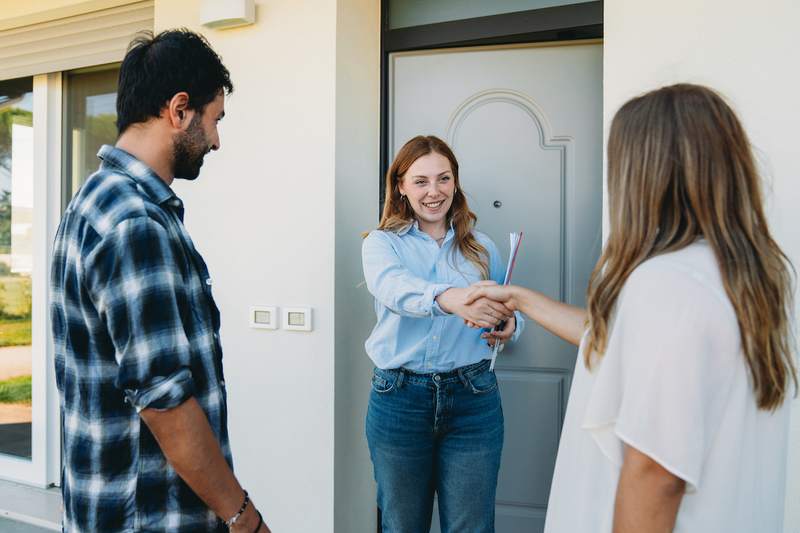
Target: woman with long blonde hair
pixel 435 422
pixel 678 414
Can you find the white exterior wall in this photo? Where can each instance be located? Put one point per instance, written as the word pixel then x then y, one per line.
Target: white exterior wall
pixel 262 214
pixel 747 51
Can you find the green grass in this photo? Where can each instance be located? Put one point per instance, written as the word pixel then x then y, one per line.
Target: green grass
pixel 15 332
pixel 16 390
pixel 15 295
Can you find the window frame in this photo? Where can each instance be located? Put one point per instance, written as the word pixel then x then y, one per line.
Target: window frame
pixel 44 466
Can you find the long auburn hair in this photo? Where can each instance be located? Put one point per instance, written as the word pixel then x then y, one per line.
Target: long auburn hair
pixel 398 214
pixel 680 166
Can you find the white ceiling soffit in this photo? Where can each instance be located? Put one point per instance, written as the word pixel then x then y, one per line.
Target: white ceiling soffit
pixel 88 34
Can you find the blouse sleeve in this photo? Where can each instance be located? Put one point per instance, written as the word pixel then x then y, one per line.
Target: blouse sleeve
pixel 664 381
pixel 393 285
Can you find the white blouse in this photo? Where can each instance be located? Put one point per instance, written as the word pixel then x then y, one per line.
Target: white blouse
pixel 673 384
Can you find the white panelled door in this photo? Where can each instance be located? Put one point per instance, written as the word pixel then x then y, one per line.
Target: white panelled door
pixel 525 123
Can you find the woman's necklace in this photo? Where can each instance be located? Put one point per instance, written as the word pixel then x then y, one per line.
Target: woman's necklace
pixel 439 240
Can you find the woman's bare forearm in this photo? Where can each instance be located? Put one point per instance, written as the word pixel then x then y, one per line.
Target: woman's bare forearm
pixel 563 320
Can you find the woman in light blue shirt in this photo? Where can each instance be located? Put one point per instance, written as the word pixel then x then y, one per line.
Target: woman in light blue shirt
pixel 435 422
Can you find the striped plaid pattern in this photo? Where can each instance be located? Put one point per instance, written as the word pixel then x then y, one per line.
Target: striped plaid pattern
pixel 135 326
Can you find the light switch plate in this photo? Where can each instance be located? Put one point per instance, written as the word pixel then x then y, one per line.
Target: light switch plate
pixel 264 317
pixel 297 318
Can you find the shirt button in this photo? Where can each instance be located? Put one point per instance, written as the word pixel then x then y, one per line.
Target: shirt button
pixel 208 281
pixel 437 378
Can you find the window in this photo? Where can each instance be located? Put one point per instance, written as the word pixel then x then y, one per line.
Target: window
pixel 16 263
pixel 58 82
pixel 51 127
pixel 90 117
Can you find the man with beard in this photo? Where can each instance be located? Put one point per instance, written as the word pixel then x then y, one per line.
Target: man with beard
pixel 136 330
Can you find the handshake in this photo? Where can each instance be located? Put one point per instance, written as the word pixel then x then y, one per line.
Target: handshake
pixel 483 305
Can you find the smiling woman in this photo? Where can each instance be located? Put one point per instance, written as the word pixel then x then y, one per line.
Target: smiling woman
pixel 430 366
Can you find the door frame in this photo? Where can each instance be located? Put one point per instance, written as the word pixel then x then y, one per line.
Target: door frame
pixel 570 22
pixel 44 466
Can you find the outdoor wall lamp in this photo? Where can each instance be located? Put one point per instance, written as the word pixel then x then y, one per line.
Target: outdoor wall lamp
pixel 225 14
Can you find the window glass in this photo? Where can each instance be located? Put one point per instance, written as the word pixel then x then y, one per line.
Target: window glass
pixel 90 122
pixel 404 13
pixel 16 261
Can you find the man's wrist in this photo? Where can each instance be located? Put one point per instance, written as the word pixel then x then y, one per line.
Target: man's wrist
pixel 233 519
pixel 248 521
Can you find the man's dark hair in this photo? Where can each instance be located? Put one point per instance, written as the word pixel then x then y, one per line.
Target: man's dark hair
pixel 157 68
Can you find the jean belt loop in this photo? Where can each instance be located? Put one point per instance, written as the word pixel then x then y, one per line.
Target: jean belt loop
pixel 400 377
pixel 463 378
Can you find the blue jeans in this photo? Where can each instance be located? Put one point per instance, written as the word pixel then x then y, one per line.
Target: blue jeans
pixel 436 433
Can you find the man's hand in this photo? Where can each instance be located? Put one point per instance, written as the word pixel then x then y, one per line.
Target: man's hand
pixel 482 312
pixel 186 439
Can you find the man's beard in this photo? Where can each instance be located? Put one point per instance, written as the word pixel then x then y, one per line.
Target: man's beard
pixel 188 151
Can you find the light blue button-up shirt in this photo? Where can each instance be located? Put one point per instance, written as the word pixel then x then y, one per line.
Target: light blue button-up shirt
pixel 405 272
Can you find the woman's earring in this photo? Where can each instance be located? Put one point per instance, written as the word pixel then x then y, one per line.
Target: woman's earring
pixel 402 196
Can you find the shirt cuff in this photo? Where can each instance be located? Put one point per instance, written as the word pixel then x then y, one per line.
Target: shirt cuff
pixel 163 393
pixel 436 290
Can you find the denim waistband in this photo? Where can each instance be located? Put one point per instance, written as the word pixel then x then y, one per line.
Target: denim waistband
pixel 451 376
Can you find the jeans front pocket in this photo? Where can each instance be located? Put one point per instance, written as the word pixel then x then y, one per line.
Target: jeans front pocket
pixel 482 382
pixel 384 381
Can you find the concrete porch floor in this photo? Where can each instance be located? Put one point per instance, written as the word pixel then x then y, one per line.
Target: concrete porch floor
pixel 38 508
pixel 10 526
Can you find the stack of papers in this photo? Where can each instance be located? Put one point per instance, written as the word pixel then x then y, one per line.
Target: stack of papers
pixel 515 239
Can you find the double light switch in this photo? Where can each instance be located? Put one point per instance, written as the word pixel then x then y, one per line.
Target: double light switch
pixel 293 318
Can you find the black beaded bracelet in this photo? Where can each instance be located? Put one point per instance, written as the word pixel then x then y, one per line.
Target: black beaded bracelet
pixel 238 515
pixel 260 521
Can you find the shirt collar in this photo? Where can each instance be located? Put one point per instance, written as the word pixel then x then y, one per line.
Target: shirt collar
pixel 413 227
pixel 145 177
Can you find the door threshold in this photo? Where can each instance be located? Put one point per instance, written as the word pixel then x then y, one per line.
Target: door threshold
pixel 31 505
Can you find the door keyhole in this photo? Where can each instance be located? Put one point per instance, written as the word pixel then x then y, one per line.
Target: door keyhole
pixel 498 204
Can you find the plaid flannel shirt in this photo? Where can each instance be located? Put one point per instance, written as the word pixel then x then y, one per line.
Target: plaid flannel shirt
pixel 135 326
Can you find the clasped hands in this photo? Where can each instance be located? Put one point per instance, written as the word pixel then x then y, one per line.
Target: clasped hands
pixel 482 305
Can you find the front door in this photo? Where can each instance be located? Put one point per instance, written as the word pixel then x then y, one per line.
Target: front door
pixel 525 123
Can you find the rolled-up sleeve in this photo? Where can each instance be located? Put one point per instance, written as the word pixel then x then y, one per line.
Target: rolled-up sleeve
pixel 133 278
pixel 391 283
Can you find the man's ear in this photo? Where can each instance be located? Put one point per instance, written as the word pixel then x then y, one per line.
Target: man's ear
pixel 177 110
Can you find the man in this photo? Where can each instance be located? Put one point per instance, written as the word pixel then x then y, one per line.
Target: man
pixel 138 358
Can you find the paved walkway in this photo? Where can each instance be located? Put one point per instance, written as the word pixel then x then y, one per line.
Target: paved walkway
pixel 15 361
pixel 14 413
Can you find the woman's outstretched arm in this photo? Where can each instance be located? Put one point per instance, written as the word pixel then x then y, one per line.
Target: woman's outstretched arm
pixel 563 320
